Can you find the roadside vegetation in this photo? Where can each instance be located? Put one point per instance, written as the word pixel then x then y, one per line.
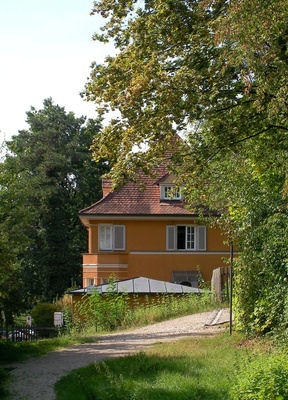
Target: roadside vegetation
pixel 102 316
pixel 222 367
pixel 98 315
pixel 113 310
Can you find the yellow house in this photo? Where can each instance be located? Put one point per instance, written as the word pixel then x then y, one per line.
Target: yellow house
pixel 144 230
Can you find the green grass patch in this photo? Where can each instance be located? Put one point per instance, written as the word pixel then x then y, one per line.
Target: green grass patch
pixel 164 307
pixel 264 377
pixel 118 311
pixel 4 379
pixel 19 351
pixel 193 369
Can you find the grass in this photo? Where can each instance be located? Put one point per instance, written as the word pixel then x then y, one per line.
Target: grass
pixel 20 351
pixel 164 307
pixel 114 312
pixel 11 352
pixel 194 369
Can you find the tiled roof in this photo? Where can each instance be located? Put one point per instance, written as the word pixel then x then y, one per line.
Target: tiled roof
pixel 131 200
pixel 140 285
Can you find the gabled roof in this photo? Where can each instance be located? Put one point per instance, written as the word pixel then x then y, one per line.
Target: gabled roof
pixel 140 285
pixel 138 199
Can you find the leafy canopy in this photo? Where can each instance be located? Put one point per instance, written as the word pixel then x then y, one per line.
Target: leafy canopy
pixel 47 176
pixel 214 71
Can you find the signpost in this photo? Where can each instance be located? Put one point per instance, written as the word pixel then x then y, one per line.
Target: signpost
pixel 58 319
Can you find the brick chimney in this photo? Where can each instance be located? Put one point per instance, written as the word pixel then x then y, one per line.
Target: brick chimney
pixel 106 186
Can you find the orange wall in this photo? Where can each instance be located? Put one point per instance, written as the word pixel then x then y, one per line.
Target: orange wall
pixel 161 266
pixel 151 235
pixel 144 237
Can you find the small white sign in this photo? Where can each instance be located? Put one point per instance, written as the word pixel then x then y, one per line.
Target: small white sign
pixel 58 319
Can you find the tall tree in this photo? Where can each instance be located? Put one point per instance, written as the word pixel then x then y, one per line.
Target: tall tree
pixel 216 70
pixel 46 178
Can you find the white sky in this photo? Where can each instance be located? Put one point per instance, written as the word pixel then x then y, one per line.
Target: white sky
pixel 46 50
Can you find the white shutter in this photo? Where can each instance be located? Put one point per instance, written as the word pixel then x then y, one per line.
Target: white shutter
pixel 119 237
pixel 201 237
pixel 105 237
pixel 170 237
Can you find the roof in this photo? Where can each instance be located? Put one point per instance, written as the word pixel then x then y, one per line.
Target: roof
pixel 138 199
pixel 140 285
pixel 142 199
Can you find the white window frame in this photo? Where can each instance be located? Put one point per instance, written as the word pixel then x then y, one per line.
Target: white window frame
pixel 198 232
pixel 115 237
pixel 170 192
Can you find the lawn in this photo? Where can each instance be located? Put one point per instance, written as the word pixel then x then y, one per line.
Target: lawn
pixel 194 369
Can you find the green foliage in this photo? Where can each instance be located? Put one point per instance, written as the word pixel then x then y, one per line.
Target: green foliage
pixel 194 369
pixel 4 378
pixel 264 378
pixel 105 312
pixel 19 351
pixel 46 177
pixel 261 277
pixel 43 314
pixel 114 310
pixel 169 306
pixel 216 72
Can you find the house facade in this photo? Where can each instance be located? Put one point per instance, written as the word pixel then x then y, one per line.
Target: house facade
pixel 144 229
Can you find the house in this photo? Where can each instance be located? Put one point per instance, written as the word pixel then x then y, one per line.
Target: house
pixel 145 230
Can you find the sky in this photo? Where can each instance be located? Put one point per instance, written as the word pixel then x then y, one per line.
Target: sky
pixel 46 50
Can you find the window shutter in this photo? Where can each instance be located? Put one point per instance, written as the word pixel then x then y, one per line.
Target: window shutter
pixel 201 238
pixel 119 237
pixel 170 237
pixel 105 237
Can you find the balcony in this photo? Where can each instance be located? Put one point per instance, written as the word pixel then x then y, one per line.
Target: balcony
pixel 110 258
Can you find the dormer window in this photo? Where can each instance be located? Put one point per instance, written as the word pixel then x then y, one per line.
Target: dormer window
pixel 170 192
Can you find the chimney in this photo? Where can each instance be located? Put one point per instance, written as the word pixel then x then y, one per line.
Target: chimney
pixel 106 186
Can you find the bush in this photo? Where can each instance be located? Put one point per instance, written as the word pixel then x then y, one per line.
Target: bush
pixel 105 312
pixel 43 314
pixel 264 378
pixel 261 276
pixel 4 377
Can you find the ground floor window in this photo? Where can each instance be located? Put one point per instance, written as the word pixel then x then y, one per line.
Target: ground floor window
pixel 186 237
pixel 188 278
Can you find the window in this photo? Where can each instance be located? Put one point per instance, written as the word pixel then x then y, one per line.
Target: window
pixel 170 192
pixel 111 237
pixel 187 278
pixel 89 281
pixel 185 237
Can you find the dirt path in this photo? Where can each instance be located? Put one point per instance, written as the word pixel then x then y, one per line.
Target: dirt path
pixel 35 379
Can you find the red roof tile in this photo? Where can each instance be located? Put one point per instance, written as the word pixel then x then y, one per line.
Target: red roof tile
pixel 130 200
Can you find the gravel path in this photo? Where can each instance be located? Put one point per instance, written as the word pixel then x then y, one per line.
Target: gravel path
pixel 35 379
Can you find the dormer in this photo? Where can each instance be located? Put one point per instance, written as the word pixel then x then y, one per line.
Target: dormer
pixel 168 190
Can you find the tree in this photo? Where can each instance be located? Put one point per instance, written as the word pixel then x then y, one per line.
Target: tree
pixel 46 178
pixel 217 72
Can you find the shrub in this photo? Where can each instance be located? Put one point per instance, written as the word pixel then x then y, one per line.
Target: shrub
pixel 264 378
pixel 43 314
pixel 4 377
pixel 261 276
pixel 104 312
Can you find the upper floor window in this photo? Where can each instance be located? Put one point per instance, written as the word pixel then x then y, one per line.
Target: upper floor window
pixel 111 237
pixel 186 237
pixel 170 192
